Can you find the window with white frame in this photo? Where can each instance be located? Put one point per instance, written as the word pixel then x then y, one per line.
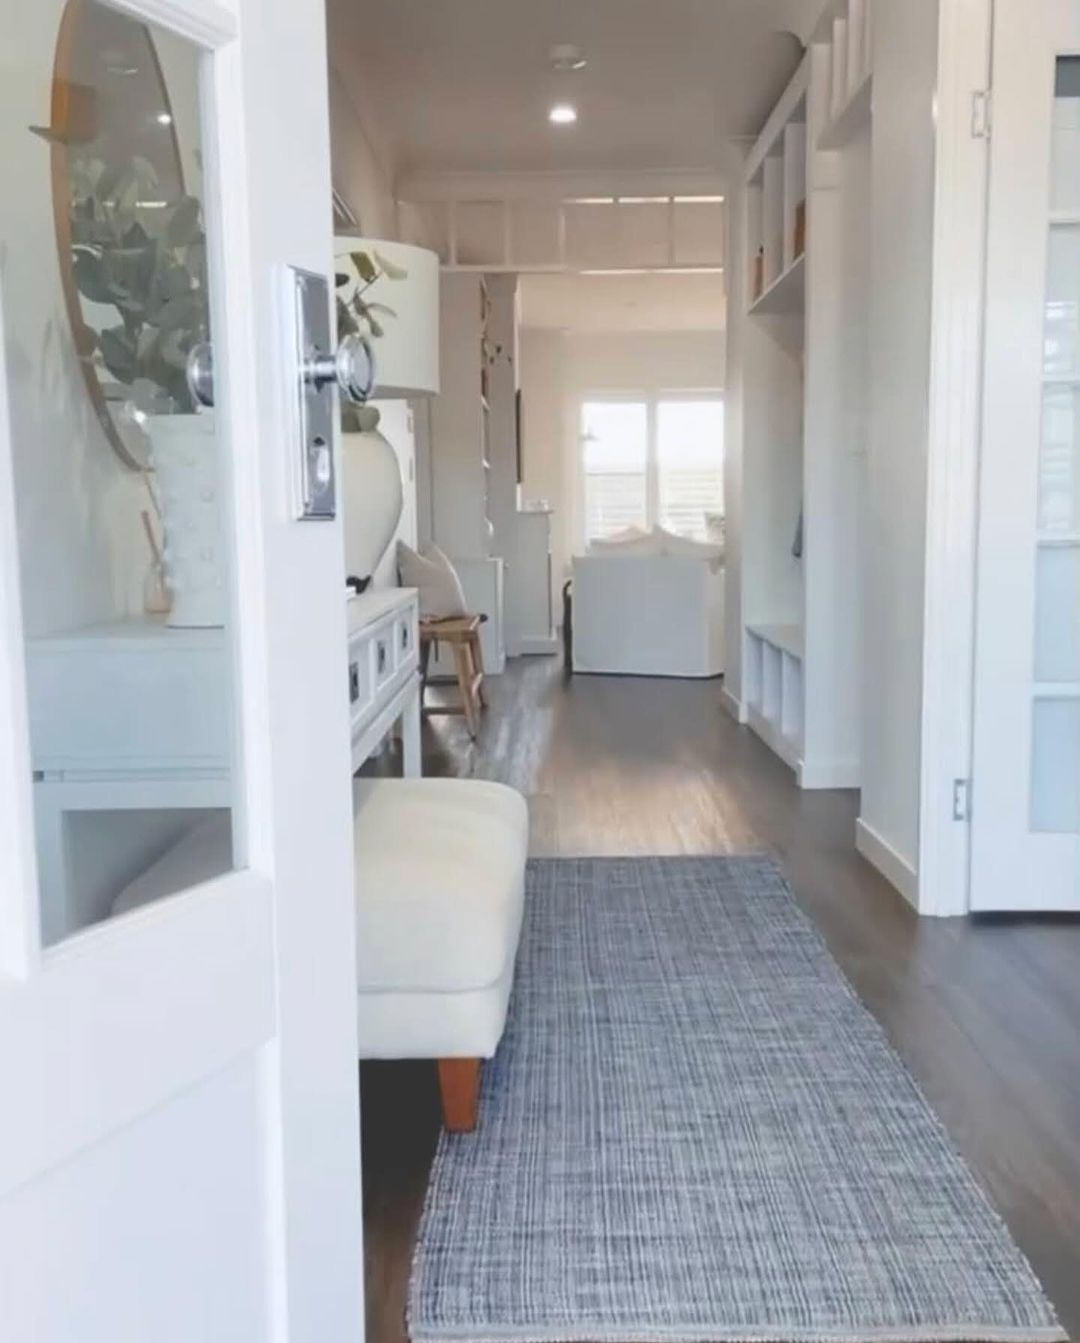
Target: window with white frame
pixel 652 460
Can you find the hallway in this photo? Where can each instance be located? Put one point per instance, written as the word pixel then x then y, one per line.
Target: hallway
pixel 983 1012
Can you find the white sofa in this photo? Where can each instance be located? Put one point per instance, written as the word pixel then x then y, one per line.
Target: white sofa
pixel 648 614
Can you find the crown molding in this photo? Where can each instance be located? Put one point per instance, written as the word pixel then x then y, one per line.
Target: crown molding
pixel 424 186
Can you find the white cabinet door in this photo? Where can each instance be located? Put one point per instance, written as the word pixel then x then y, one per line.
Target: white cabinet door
pixel 1026 798
pixel 179 1153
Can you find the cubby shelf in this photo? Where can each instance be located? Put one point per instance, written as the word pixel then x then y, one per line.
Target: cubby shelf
pixel 807 255
pixel 850 120
pixel 786 294
pixel 788 638
pixel 775 689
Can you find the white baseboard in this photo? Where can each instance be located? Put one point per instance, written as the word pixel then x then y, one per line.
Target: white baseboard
pixel 732 706
pixel 538 647
pixel 896 870
pixel 830 774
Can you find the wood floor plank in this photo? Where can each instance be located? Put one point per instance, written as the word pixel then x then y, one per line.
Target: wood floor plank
pixel 984 1011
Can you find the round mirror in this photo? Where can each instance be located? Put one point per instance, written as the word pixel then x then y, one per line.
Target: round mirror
pixel 129 231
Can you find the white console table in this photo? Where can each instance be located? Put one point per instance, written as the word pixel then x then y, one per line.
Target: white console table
pixel 133 716
pixel 384 673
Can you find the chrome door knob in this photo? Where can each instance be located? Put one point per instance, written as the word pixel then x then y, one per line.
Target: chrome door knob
pixel 199 372
pixel 352 368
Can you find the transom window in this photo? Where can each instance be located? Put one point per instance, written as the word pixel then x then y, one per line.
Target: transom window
pixel 652 460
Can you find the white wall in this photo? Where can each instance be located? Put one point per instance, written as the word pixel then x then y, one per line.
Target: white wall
pixel 546 421
pixel 559 368
pixel 735 275
pixel 361 169
pixel 905 69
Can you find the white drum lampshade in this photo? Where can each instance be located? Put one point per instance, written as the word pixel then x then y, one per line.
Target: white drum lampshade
pixel 391 293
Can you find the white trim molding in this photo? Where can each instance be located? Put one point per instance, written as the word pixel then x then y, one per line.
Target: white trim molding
pixel 204 22
pixel 896 870
pixel 734 707
pixel 427 186
pixel 962 172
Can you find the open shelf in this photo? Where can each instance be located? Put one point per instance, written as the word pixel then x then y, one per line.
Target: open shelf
pixel 774 692
pixel 805 414
pixel 846 31
pixel 788 638
pixel 786 294
pixel 852 117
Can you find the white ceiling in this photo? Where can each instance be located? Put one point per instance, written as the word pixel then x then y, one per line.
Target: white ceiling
pixel 464 85
pixel 603 303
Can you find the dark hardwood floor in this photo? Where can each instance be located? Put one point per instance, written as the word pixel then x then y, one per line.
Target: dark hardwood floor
pixel 985 1012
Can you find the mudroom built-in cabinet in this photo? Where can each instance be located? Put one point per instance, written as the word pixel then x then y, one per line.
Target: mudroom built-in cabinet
pixel 805 296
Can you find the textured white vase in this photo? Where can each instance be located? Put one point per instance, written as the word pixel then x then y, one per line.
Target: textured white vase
pixel 184 456
pixel 372 499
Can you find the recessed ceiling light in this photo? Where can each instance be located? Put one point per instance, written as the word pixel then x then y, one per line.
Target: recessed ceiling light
pixel 565 57
pixel 163 119
pixel 562 114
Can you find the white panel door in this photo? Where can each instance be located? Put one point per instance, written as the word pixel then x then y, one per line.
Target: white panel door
pixel 179 1144
pixel 1026 797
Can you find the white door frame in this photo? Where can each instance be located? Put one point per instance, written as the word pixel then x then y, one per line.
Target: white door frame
pixel 955 424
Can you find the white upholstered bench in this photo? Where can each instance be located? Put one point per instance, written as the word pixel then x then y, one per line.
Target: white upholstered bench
pixel 440 888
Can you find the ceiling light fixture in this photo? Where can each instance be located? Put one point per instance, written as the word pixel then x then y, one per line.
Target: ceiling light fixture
pixel 566 58
pixel 562 114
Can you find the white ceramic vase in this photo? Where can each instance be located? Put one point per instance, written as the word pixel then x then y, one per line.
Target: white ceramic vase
pixel 185 461
pixel 372 499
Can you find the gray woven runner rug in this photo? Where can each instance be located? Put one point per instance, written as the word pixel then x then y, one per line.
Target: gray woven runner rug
pixel 694 1132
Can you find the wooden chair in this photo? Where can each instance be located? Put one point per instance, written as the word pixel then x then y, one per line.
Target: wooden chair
pixel 462 635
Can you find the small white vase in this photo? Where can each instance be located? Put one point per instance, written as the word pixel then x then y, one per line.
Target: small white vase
pixel 185 460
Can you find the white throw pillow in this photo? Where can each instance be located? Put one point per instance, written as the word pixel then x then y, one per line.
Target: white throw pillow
pixel 671 543
pixel 630 541
pixel 440 593
pixel 619 538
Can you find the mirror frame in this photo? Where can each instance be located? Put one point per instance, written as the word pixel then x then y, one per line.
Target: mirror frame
pixel 64 113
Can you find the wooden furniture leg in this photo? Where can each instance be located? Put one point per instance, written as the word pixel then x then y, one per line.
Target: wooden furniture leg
pixel 459 1090
pixel 461 635
pixel 425 662
pixel 466 682
pixel 478 662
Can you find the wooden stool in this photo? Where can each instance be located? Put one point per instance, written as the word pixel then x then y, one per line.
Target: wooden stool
pixel 462 633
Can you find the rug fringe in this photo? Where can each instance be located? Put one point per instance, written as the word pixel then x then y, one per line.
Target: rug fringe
pixel 934 1334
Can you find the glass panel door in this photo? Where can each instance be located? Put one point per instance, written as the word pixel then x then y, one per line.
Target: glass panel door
pixel 1025 828
pixel 120 475
pixel 1055 738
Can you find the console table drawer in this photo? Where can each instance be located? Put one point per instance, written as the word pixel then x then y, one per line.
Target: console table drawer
pixel 382 655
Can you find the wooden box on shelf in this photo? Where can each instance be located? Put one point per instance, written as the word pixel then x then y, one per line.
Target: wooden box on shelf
pixel 800 229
